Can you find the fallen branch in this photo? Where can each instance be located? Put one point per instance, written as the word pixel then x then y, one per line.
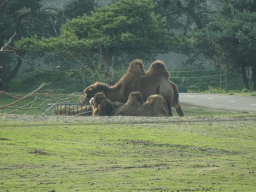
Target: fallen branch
pixel 9 95
pixel 30 94
pixel 24 106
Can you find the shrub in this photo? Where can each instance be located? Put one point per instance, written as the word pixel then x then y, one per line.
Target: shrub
pixel 61 82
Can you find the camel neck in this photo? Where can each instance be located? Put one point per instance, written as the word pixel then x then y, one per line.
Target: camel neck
pixel 113 94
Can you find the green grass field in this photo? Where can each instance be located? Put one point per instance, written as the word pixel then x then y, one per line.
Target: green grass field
pixel 58 156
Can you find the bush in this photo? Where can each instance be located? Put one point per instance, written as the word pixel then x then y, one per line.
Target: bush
pixel 61 82
pixel 244 90
pixel 215 90
pixel 15 84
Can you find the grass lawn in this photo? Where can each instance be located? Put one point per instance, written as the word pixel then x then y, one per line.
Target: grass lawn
pixel 58 156
pixel 247 94
pixel 243 92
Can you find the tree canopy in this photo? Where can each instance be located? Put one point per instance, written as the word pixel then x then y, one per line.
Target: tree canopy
pixel 230 39
pixel 15 22
pixel 125 27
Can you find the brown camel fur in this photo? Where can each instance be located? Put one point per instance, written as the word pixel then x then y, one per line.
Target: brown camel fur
pixel 121 90
pixel 155 81
pixel 101 106
pixel 155 106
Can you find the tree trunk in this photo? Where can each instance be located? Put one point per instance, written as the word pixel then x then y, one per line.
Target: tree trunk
pixel 254 76
pixel 107 56
pixel 5 79
pixel 191 11
pixel 115 61
pixel 8 76
pixel 108 64
pixel 244 77
pixel 1 77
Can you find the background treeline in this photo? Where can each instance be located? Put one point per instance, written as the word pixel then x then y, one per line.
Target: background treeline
pixel 76 81
pixel 72 46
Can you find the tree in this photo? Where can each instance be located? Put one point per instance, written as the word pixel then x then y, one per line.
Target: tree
pixel 26 18
pixel 193 12
pixel 77 8
pixel 186 15
pixel 15 18
pixel 127 27
pixel 249 5
pixel 230 40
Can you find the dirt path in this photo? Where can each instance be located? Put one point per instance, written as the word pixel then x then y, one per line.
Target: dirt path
pixel 120 119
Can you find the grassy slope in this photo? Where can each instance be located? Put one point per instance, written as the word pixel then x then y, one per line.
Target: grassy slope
pixel 45 156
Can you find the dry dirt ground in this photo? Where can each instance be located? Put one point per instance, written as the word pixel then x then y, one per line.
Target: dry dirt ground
pixel 121 119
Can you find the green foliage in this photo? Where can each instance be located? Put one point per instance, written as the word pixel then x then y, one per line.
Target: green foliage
pixel 77 8
pixel 125 27
pixel 229 38
pixel 235 81
pixel 10 13
pixel 17 85
pixel 196 80
pixel 175 12
pixel 119 74
pixel 76 81
pixel 249 5
pixel 212 89
pixel 218 90
pixel 15 18
pixel 61 82
pixel 244 90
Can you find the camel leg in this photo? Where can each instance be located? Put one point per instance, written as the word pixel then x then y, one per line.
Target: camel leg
pixel 179 110
pixel 169 108
pixel 170 111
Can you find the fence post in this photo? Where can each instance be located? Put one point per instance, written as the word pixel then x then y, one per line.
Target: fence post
pixel 220 78
pixel 226 80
